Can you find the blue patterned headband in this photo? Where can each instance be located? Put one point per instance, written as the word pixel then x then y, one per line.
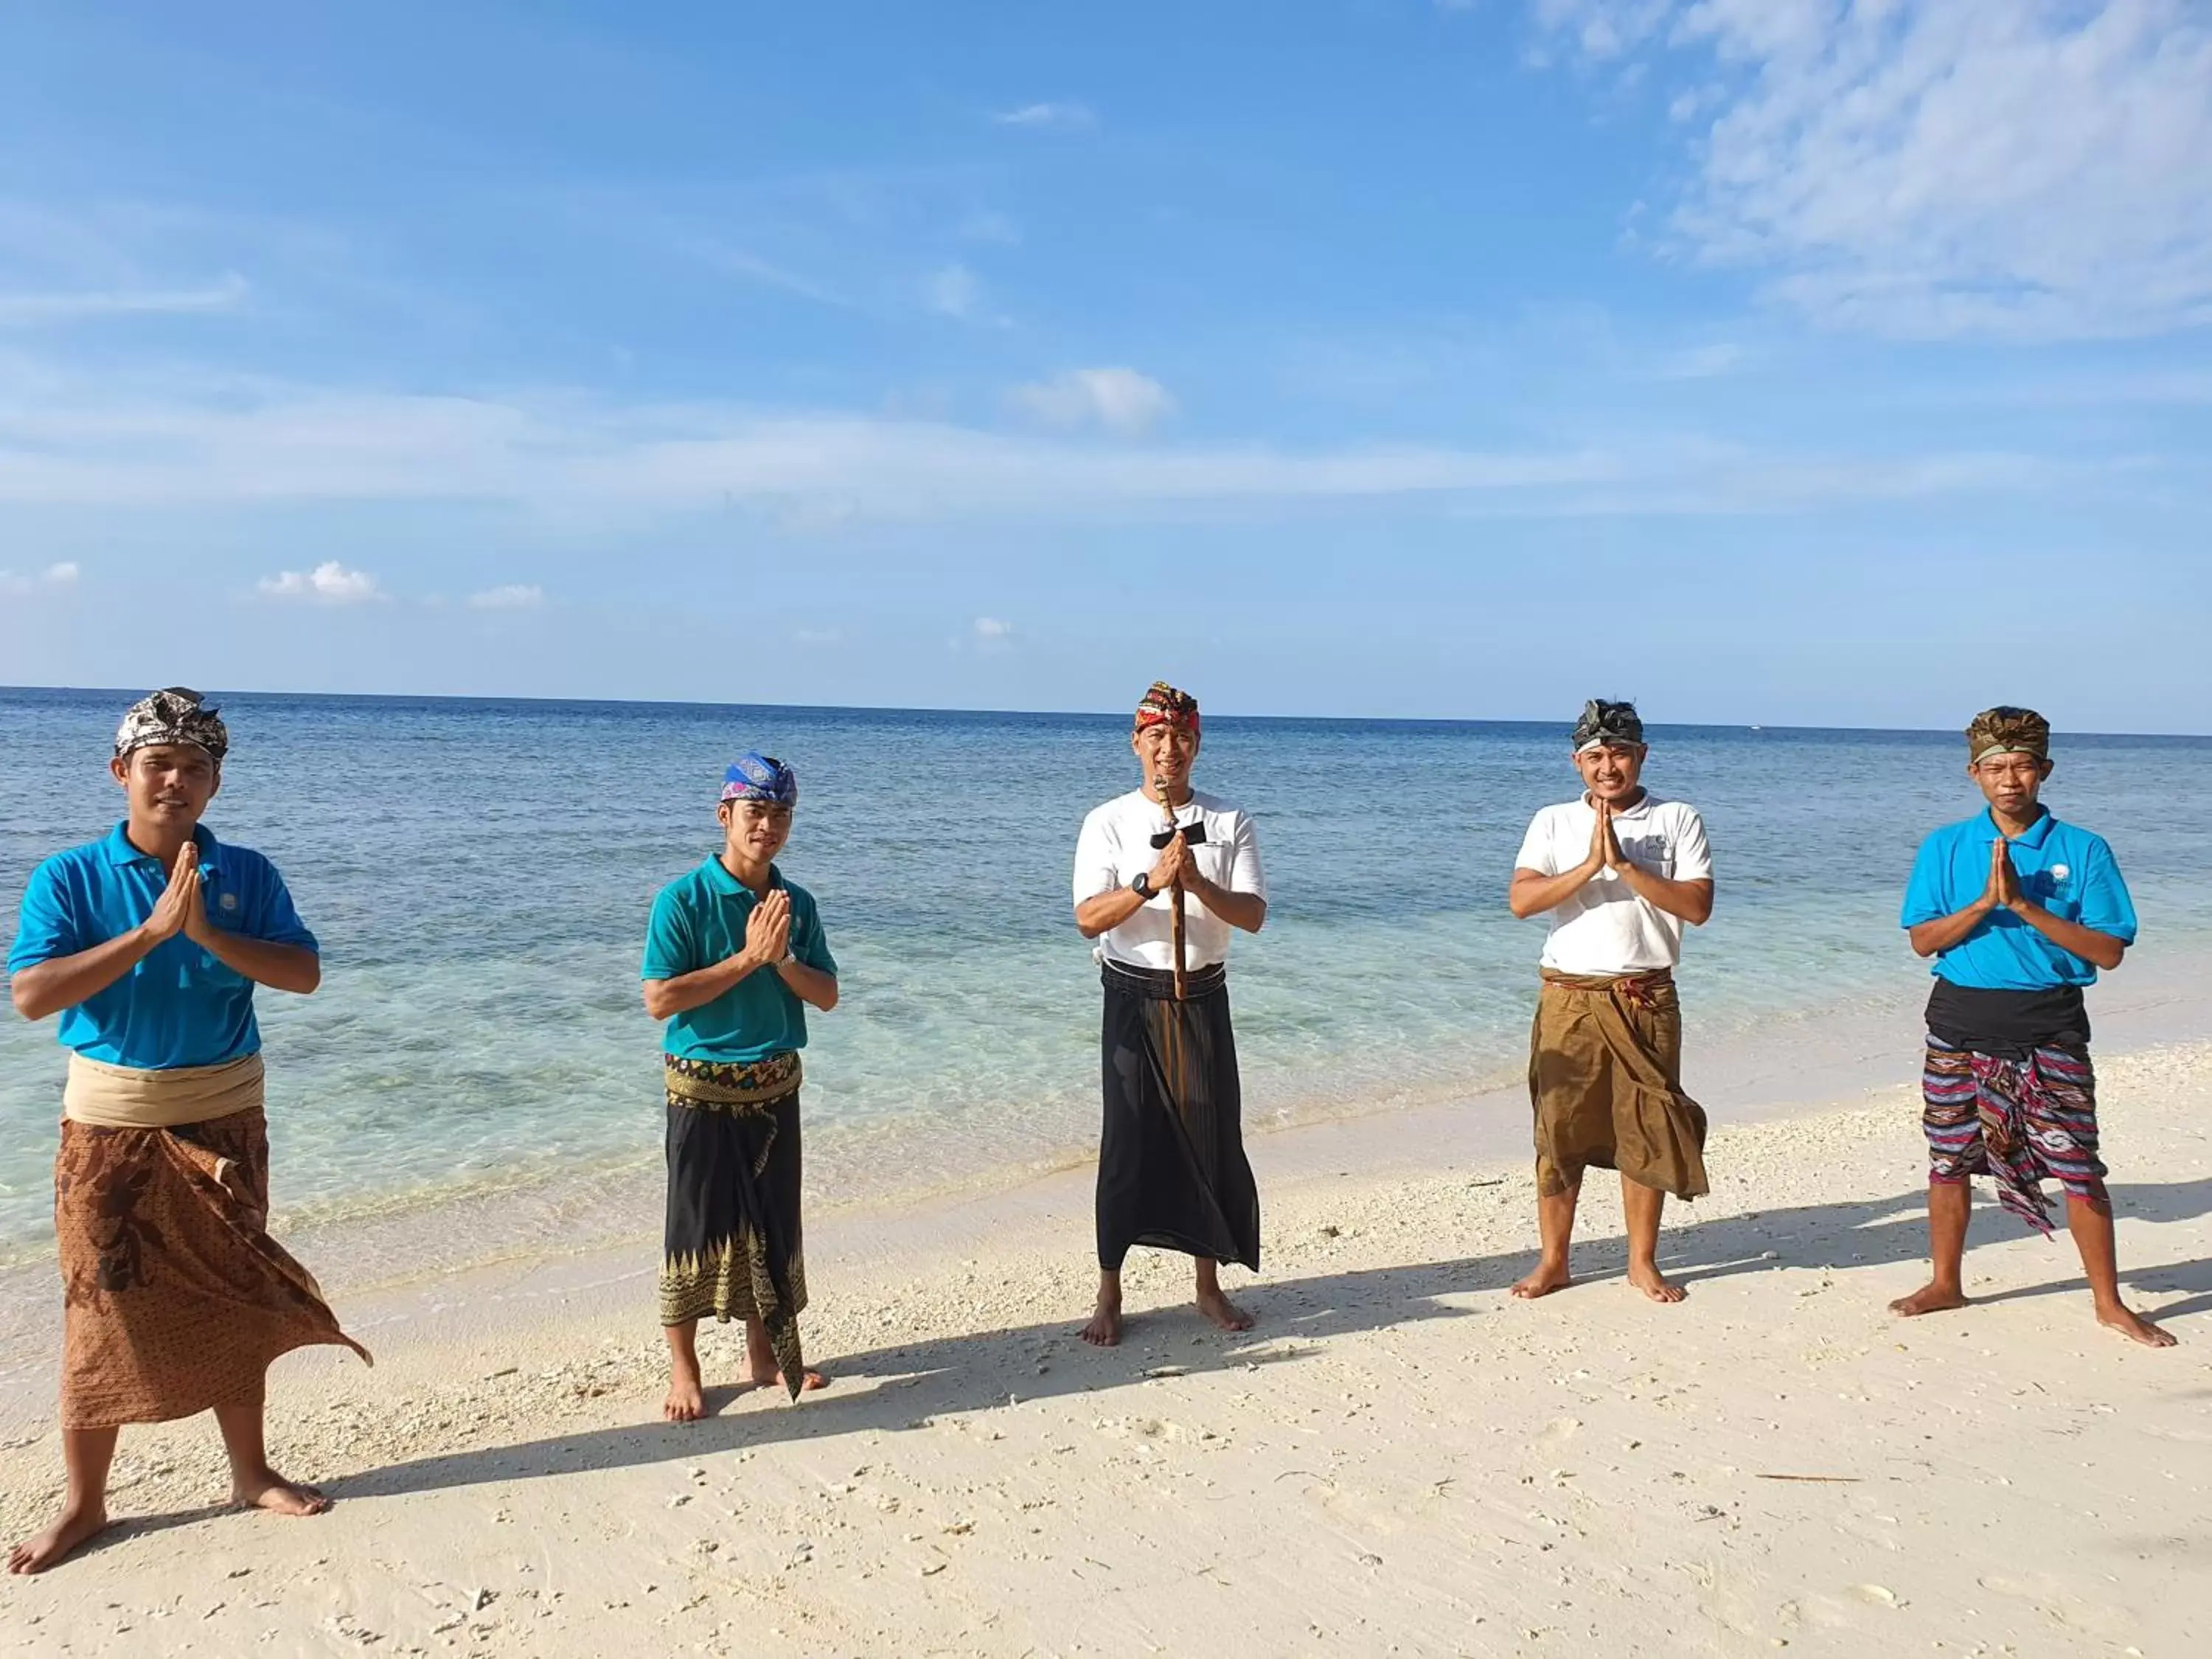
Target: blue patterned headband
pixel 755 776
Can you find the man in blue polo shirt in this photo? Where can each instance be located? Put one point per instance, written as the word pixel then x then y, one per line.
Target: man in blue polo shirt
pixel 2020 910
pixel 148 944
pixel 734 954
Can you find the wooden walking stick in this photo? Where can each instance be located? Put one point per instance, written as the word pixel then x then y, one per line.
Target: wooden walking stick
pixel 1174 897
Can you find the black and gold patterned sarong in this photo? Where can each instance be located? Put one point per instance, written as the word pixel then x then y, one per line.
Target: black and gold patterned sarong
pixel 732 1248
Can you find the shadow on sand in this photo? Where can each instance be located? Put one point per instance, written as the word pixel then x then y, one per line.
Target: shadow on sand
pixel 894 1388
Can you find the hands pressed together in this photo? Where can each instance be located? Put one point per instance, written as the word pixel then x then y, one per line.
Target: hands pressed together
pixel 768 930
pixel 182 908
pixel 1605 852
pixel 2003 891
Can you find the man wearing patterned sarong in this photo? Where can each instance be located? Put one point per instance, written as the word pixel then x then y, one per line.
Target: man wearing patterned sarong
pixel 2020 910
pixel 148 943
pixel 734 955
pixel 1172 1172
pixel 1618 871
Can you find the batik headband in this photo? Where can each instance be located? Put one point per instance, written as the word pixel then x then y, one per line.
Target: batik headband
pixel 1606 722
pixel 1165 706
pixel 176 715
pixel 2007 731
pixel 755 776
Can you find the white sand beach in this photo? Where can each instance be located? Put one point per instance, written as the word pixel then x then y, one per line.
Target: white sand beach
pixel 1399 1459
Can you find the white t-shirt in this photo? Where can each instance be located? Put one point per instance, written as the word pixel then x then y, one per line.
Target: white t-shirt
pixel 1604 926
pixel 1117 843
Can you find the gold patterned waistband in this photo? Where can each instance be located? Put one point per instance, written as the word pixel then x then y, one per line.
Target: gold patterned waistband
pixel 732 1083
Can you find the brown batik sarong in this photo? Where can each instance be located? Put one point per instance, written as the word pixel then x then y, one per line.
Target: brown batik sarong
pixel 732 1248
pixel 175 1298
pixel 1605 1076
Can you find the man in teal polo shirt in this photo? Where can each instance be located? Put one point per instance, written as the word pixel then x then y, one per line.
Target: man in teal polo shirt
pixel 734 954
pixel 2020 910
pixel 148 944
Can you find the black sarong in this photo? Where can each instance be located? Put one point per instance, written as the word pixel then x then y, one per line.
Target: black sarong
pixel 1171 1167
pixel 733 1247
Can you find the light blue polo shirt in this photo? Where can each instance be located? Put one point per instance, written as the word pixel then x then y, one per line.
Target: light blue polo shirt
pixel 699 920
pixel 2067 869
pixel 178 1006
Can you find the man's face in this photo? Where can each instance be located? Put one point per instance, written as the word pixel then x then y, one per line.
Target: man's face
pixel 1611 769
pixel 1166 752
pixel 755 830
pixel 168 784
pixel 2010 782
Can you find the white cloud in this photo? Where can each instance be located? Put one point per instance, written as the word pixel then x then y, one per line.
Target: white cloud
pixel 954 291
pixel 328 583
pixel 516 596
pixel 166 441
pixel 1050 117
pixel 1121 400
pixel 53 578
pixel 2012 168
pixel 32 310
pixel 992 628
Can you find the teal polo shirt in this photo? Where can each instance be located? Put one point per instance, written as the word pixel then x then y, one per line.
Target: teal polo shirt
pixel 699 920
pixel 180 1006
pixel 2063 867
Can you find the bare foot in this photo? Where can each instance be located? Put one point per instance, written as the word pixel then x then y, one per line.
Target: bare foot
pixel 807 1384
pixel 1929 1298
pixel 72 1528
pixel 1104 1330
pixel 686 1401
pixel 1655 1283
pixel 2134 1325
pixel 1548 1277
pixel 265 1489
pixel 1225 1315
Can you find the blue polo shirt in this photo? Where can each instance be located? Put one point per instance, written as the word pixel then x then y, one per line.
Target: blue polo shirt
pixel 2067 871
pixel 699 920
pixel 178 1006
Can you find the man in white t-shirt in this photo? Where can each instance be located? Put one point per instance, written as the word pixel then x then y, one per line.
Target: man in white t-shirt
pixel 1171 1167
pixel 1618 871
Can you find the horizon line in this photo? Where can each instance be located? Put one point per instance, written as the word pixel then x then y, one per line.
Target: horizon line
pixel 1057 714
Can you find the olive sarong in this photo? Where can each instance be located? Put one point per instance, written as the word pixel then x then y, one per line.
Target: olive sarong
pixel 1605 1077
pixel 1172 1172
pixel 732 1245
pixel 175 1298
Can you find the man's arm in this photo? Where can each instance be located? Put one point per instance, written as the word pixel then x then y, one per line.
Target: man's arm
pixel 809 984
pixel 1692 900
pixel 280 967
pixel 666 997
pixel 768 936
pixel 59 982
pixel 47 987
pixel 2088 942
pixel 1248 911
pixel 1102 913
pixel 1531 892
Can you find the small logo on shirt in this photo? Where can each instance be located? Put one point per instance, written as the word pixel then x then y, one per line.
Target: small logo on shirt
pixel 228 901
pixel 2059 872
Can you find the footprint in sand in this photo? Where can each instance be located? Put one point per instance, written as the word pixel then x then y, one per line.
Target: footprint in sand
pixel 1560 1431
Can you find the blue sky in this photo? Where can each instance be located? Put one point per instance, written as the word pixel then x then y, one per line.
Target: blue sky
pixel 1766 359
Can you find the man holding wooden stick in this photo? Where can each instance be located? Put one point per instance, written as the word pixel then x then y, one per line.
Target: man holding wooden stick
pixel 1163 876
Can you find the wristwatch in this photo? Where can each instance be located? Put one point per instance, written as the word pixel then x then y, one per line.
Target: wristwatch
pixel 788 959
pixel 1142 886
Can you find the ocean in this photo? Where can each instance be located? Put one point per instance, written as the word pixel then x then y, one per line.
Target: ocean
pixel 479 874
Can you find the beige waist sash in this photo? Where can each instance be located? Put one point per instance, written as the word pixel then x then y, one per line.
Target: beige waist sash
pixel 119 1097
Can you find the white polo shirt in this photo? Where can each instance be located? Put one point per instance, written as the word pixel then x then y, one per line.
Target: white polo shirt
pixel 1604 926
pixel 1116 844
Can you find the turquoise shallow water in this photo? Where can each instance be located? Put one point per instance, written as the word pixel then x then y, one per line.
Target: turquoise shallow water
pixel 479 874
